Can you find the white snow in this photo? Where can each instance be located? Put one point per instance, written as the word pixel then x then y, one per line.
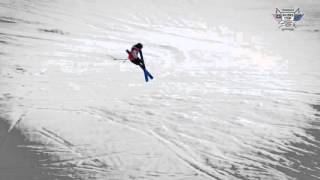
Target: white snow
pixel 232 96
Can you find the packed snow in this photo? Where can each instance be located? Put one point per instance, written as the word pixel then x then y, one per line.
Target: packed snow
pixel 234 97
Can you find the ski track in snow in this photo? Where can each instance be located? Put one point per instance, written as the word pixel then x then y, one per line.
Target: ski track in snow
pixel 221 106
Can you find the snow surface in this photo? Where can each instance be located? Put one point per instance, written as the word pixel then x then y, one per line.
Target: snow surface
pixel 234 97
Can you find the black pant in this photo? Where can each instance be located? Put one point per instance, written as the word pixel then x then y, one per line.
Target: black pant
pixel 138 62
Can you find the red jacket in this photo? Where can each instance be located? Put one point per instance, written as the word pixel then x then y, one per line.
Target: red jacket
pixel 133 54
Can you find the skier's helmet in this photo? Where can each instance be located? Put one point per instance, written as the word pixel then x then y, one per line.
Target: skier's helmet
pixel 139 45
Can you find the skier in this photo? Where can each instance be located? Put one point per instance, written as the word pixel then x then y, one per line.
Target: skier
pixel 133 56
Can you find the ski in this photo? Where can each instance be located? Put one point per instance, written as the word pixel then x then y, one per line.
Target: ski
pixel 147 75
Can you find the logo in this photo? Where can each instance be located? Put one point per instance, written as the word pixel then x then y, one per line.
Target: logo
pixel 287 18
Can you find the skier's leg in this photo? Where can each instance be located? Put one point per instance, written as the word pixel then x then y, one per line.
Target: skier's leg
pixel 135 61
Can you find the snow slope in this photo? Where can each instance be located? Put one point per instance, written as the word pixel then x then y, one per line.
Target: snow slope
pixel 233 96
